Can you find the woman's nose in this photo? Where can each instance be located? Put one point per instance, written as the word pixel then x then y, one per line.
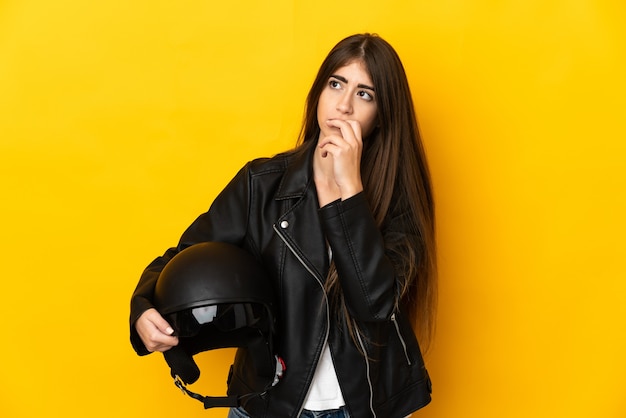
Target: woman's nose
pixel 344 105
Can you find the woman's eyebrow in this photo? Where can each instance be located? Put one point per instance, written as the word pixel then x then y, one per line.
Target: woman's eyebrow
pixel 345 80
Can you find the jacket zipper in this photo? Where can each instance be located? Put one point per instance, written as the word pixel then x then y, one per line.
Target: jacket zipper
pixel 321 284
pixel 367 369
pixel 395 323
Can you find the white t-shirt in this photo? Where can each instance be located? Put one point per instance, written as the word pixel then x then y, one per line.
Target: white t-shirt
pixel 324 393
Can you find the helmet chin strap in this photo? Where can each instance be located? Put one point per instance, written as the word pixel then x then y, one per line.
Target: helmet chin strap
pixel 174 357
pixel 210 401
pixel 182 365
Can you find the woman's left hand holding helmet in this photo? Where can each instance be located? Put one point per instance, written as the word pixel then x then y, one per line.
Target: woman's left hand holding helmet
pixel 155 332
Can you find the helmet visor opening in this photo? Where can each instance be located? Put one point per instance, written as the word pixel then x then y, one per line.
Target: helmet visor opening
pixel 225 317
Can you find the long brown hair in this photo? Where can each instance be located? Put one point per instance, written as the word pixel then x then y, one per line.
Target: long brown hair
pixel 395 177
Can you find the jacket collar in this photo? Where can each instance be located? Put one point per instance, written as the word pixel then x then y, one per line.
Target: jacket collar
pixel 298 172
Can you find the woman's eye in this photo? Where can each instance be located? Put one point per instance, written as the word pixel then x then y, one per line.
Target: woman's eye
pixel 365 95
pixel 334 84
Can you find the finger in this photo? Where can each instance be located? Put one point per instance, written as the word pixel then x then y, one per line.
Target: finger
pixel 165 345
pixel 356 129
pixel 329 149
pixel 330 139
pixel 155 332
pixel 344 128
pixel 350 129
pixel 160 322
pixel 157 341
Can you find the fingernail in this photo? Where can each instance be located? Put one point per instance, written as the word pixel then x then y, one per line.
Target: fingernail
pixel 169 330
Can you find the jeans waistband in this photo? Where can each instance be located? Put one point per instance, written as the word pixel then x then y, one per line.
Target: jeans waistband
pixel 331 413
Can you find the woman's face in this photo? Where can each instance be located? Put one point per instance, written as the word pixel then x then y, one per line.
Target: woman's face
pixel 349 95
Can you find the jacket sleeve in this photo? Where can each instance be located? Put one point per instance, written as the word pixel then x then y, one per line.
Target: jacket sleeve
pixel 366 274
pixel 226 221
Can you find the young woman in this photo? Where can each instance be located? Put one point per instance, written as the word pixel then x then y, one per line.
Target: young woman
pixel 344 224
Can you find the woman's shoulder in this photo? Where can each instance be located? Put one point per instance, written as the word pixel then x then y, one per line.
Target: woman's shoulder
pixel 268 165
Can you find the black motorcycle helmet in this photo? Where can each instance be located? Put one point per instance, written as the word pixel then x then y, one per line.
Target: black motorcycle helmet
pixel 216 295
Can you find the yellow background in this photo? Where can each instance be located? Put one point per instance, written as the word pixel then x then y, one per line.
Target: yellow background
pixel 121 120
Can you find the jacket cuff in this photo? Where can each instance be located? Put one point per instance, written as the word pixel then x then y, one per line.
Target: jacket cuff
pixel 339 206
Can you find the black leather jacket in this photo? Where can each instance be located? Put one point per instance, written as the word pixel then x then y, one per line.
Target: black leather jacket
pixel 271 209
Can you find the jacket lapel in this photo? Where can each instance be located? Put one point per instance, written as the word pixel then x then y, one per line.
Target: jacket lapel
pixel 299 224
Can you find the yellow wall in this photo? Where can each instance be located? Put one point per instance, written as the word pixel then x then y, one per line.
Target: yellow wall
pixel 120 121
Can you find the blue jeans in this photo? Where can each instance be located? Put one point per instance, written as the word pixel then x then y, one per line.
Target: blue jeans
pixel 334 413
